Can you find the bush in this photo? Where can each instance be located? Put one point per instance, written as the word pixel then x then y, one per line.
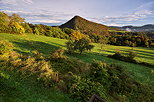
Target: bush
pixel 129 58
pixel 34 67
pixel 132 55
pixel 5 47
pixel 72 65
pixel 64 64
pixel 82 89
pixel 117 55
pixel 58 54
pixel 99 72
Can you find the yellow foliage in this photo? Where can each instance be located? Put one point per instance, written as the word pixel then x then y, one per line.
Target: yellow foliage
pixel 17 28
pixel 78 35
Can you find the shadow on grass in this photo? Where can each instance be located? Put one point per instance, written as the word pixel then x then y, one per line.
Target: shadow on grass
pixel 56 44
pixel 26 47
pixel 92 56
pixel 141 54
pixel 138 72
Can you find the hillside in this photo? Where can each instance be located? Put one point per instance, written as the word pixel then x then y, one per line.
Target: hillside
pixel 85 26
pixel 16 87
pixel 144 28
pixel 25 44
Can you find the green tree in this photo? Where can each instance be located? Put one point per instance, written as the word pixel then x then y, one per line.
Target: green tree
pixel 68 31
pixel 83 44
pixel 35 31
pixel 146 43
pixel 126 42
pixel 27 28
pixel 138 41
pixel 70 45
pixel 80 45
pixel 40 29
pixel 16 18
pixel 4 22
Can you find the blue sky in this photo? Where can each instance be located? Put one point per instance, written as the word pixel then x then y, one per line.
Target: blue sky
pixel 108 12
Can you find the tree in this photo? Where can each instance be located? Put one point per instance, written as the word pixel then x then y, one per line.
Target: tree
pixel 16 18
pixel 138 41
pixel 79 45
pixel 126 43
pixel 35 31
pixel 76 35
pixel 27 28
pixel 16 28
pixel 68 31
pixel 146 43
pixel 40 29
pixel 83 44
pixel 4 22
pixel 70 45
pixel 16 24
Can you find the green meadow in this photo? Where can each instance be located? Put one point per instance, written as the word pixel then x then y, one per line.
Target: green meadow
pixel 28 42
pixel 25 44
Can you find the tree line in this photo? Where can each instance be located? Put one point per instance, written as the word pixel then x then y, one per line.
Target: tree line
pixel 18 25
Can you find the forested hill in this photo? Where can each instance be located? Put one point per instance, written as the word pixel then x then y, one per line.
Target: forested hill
pixel 144 28
pixel 85 26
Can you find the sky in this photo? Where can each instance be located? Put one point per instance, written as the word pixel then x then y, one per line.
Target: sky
pixel 57 12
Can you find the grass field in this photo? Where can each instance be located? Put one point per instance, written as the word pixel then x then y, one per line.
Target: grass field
pixel 27 43
pixel 13 88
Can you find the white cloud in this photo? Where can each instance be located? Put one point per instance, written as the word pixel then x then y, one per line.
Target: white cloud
pixel 15 2
pixel 125 19
pixel 115 24
pixel 128 18
pixel 41 16
pixel 46 21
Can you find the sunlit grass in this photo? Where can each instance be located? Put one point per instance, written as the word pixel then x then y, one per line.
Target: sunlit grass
pixel 27 43
pixel 143 54
pixel 16 89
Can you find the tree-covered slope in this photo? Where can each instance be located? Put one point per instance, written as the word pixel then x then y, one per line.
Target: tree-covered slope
pixel 85 26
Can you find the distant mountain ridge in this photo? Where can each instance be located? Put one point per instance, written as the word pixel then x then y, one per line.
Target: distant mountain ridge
pixel 86 26
pixel 144 28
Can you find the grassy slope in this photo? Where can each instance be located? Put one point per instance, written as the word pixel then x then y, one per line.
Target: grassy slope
pixel 27 43
pixel 15 89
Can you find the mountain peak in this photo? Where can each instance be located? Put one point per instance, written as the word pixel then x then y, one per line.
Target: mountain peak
pixel 76 16
pixel 85 26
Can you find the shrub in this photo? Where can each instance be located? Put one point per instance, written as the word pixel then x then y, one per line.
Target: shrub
pixel 99 72
pixel 5 47
pixel 131 55
pixel 82 89
pixel 58 54
pixel 34 67
pixel 117 55
pixel 38 56
pixel 73 65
